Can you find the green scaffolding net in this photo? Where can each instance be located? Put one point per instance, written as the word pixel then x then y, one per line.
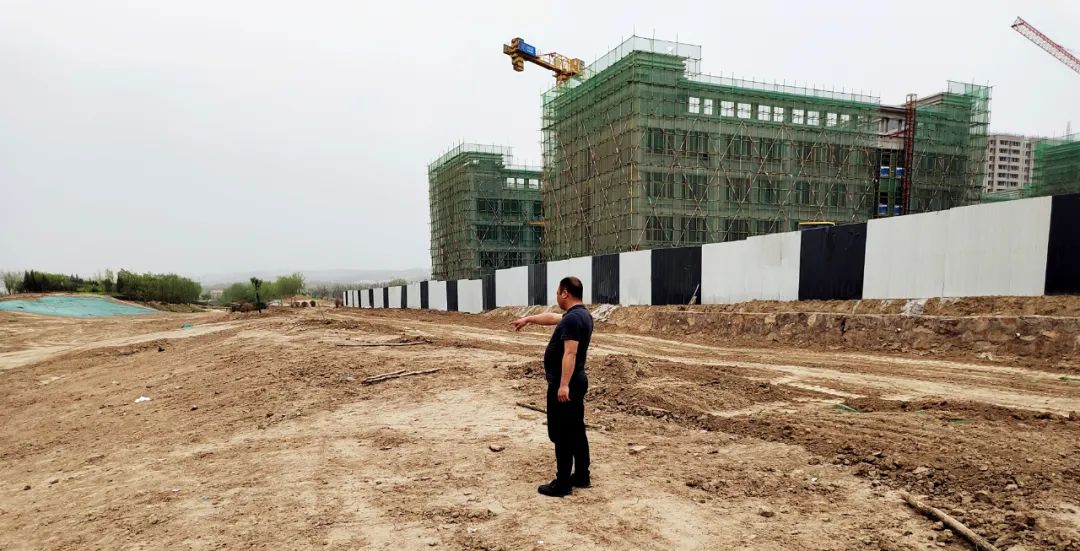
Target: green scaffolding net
pixel 485 212
pixel 643 151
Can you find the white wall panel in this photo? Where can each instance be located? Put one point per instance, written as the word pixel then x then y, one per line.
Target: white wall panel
pixel 635 277
pixel 905 256
pixel 379 302
pixel 777 259
pixel 470 295
pixel 437 295
pixel 998 248
pixel 578 267
pixel 365 301
pixel 395 297
pixel 512 287
pixel 413 299
pixel 722 267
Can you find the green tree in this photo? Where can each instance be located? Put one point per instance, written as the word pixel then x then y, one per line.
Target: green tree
pixel 256 284
pixel 12 281
pixel 290 285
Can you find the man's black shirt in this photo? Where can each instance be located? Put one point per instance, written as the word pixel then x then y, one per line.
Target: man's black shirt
pixel 576 325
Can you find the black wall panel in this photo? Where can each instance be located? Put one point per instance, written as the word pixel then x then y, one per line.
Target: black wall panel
pixel 404 296
pixel 386 297
pixel 371 298
pixel 831 263
pixel 538 284
pixel 605 279
pixel 1063 251
pixel 451 296
pixel 489 291
pixel 676 275
pixel 424 295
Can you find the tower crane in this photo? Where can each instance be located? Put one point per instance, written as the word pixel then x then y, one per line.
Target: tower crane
pixel 1041 40
pixel 564 67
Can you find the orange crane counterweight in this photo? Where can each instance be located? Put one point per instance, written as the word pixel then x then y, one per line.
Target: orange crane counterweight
pixel 564 67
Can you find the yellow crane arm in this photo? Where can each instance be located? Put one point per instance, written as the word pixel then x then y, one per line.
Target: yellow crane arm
pixel 564 67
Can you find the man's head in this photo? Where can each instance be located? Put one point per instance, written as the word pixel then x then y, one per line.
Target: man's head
pixel 569 292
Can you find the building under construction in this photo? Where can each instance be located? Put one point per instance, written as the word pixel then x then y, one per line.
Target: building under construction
pixel 643 151
pixel 485 212
pixel 1057 167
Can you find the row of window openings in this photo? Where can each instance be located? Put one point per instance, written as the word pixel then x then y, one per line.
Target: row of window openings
pixel 509 207
pixel 766 112
pixel 804 193
pixel 507 234
pixel 1007 159
pixel 508 259
pixel 522 183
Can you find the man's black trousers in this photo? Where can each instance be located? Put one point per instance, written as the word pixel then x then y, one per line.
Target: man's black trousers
pixel 566 429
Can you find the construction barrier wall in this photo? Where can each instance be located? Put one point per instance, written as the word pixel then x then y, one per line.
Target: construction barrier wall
pixel 538 284
pixel 512 287
pixel 470 295
pixel 1017 248
pixel 998 249
pixel 635 278
pixel 437 295
pixel 412 293
pixel 905 256
pixel 578 267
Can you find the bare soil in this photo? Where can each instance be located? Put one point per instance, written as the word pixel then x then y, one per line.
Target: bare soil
pixel 258 433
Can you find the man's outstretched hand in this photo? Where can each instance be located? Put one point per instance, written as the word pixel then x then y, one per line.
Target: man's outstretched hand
pixel 519 323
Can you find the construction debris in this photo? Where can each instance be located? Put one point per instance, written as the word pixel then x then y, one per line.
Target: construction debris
pixel 955 525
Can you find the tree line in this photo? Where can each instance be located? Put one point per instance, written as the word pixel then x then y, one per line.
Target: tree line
pixel 147 287
pixel 281 287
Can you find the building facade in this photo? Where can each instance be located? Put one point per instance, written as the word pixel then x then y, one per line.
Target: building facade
pixel 1010 162
pixel 646 152
pixel 486 213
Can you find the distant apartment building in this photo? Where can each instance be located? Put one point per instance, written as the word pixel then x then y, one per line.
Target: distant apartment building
pixel 1010 159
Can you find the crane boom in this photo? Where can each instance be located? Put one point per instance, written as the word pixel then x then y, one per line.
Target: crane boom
pixel 1041 40
pixel 564 67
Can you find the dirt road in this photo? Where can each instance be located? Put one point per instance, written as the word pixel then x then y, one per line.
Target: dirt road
pixel 259 435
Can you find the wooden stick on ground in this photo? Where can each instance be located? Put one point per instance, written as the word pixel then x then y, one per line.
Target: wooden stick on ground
pixel 396 375
pixel 978 541
pixel 379 343
pixel 532 407
pixel 539 409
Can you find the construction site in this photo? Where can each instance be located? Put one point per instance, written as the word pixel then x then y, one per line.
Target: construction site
pixel 813 337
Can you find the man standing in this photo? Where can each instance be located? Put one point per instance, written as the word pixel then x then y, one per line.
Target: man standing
pixel 564 369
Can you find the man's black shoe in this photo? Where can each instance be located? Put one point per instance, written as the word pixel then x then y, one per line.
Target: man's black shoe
pixel 554 489
pixel 581 481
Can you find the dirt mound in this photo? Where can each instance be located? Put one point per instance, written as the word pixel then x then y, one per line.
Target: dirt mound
pixel 682 390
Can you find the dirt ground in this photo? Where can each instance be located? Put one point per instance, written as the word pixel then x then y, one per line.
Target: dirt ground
pixel 260 434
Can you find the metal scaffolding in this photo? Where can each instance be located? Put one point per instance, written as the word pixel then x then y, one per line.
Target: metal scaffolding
pixel 485 212
pixel 643 151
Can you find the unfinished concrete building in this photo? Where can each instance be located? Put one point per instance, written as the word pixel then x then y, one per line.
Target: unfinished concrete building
pixel 643 151
pixel 485 212
pixel 1057 166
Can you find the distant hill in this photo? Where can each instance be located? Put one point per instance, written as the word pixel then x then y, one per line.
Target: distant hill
pixel 317 276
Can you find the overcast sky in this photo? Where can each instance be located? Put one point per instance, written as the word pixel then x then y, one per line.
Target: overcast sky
pixel 202 137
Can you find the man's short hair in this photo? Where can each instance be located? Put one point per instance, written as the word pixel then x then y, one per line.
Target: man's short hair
pixel 573 286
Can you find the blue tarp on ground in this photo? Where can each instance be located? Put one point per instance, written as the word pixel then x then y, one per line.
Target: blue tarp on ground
pixel 73 307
